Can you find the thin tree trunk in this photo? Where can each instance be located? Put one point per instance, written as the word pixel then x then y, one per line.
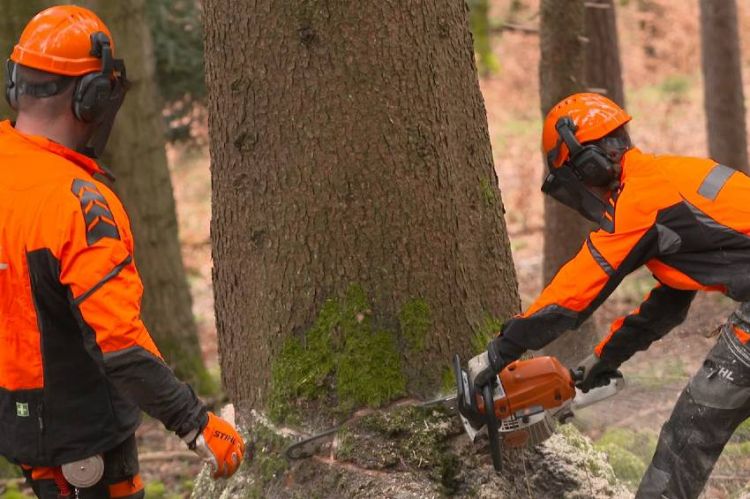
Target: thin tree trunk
pixel 603 66
pixel 138 159
pixel 722 83
pixel 354 194
pixel 562 71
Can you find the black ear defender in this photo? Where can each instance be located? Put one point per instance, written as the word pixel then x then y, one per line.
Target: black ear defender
pixel 590 163
pixel 11 89
pixel 92 92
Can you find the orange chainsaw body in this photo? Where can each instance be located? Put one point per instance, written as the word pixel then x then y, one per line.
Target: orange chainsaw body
pixel 532 386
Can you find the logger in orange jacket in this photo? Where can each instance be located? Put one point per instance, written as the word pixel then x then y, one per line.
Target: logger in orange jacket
pixel 77 364
pixel 688 221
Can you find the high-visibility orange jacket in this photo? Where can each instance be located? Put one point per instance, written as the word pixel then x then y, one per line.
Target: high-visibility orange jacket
pixel 686 219
pixel 76 361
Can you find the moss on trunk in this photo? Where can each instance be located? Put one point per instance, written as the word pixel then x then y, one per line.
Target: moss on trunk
pixel 343 361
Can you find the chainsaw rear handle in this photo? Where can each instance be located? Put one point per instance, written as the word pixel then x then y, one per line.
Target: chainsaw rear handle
pixel 466 398
pixel 493 428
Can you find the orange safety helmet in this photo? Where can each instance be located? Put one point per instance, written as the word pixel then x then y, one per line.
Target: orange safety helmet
pixel 58 41
pixel 593 115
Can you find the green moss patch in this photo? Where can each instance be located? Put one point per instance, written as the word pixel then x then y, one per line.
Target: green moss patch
pixel 13 492
pixel 416 323
pixel 343 360
pixel 485 331
pixel 268 460
pixel 629 452
pixel 626 465
pixel 8 469
pixel 742 433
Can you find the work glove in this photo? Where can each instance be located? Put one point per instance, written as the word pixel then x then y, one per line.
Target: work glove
pixel 594 372
pixel 485 367
pixel 220 445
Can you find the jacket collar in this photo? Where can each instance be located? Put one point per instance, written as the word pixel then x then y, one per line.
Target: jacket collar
pixel 88 164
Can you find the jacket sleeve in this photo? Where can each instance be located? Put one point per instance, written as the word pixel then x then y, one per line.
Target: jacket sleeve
pixel 583 283
pixel 96 264
pixel 663 309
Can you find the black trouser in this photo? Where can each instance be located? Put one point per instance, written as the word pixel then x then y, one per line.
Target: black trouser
pixel 715 402
pixel 120 470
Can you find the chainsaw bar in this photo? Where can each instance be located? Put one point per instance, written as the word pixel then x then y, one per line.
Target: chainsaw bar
pixel 308 446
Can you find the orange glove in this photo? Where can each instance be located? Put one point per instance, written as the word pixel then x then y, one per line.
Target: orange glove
pixel 221 445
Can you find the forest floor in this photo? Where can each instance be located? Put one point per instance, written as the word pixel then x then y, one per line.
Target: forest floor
pixel 664 95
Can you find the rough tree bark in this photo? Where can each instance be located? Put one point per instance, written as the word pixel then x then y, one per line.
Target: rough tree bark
pixel 579 52
pixel 138 159
pixel 602 58
pixel 722 83
pixel 350 158
pixel 14 17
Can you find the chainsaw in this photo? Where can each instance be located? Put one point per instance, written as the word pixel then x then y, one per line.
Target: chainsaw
pixel 528 398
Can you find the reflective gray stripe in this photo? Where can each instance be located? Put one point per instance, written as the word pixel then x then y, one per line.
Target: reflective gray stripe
pixel 112 274
pixel 603 263
pixel 714 181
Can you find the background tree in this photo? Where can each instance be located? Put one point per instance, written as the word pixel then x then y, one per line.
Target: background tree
pixel 722 83
pixel 137 156
pixel 358 233
pixel 602 55
pixel 561 73
pixel 177 31
pixel 14 17
pixel 580 52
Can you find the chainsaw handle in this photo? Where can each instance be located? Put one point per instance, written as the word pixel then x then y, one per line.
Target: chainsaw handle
pixel 493 428
pixel 577 374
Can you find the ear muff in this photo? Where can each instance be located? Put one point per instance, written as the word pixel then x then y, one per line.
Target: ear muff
pixel 92 93
pixel 590 163
pixel 11 89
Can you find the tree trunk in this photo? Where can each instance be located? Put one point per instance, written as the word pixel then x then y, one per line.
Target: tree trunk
pixel 357 224
pixel 722 83
pixel 137 157
pixel 14 17
pixel 650 12
pixel 562 72
pixel 602 60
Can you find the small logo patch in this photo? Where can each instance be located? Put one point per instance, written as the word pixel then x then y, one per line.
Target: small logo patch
pixel 22 409
pixel 726 374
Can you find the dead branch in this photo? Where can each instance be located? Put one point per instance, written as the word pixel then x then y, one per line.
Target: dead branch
pixel 526 30
pixel 596 5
